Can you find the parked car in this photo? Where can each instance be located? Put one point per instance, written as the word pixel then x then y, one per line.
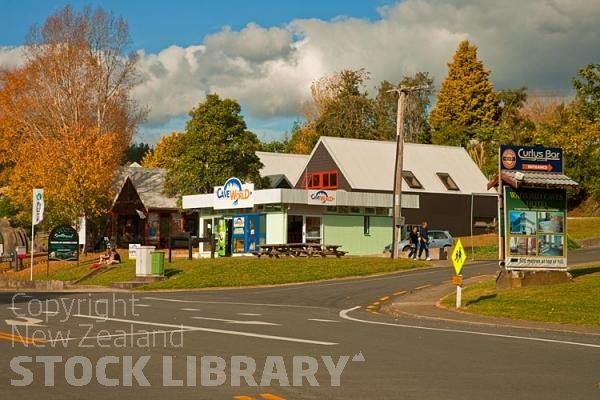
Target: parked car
pixel 436 239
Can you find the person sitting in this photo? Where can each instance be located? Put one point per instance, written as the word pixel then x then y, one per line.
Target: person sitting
pixel 115 258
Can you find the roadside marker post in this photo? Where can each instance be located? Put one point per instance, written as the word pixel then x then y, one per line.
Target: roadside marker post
pixel 459 257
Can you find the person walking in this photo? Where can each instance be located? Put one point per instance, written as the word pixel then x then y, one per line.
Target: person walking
pixel 424 240
pixel 413 242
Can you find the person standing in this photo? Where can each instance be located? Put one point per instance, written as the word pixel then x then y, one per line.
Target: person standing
pixel 413 242
pixel 424 240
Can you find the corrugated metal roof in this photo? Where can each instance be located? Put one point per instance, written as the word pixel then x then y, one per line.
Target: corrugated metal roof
pixel 369 165
pixel 533 179
pixel 290 165
pixel 149 184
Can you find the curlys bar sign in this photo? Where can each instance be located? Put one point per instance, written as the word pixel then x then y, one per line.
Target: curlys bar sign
pixel 233 194
pixel 524 158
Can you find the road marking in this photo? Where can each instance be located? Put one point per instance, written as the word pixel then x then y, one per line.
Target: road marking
pixel 384 298
pixel 18 338
pixel 112 335
pixel 400 293
pixel 13 308
pixel 249 314
pixel 50 312
pixel 210 330
pixel 143 305
pixel 423 287
pixel 265 396
pixel 344 314
pixel 322 320
pixel 233 303
pixel 233 321
pixel 27 321
pixel 190 309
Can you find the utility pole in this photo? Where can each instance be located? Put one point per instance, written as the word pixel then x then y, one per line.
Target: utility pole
pixel 397 223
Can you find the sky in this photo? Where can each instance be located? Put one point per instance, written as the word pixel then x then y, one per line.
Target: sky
pixel 265 54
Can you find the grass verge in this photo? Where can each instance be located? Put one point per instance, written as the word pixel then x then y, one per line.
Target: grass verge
pixel 575 302
pixel 245 271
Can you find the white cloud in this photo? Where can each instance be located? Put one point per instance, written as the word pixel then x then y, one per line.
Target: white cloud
pixel 536 43
pixel 11 57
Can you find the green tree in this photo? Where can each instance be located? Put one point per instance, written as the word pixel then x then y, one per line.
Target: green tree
pixel 587 86
pixel 347 111
pixel 216 146
pixel 416 125
pixel 466 100
pixel 137 151
pixel 276 146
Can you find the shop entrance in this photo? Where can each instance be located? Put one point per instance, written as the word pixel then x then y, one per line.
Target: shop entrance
pixel 294 228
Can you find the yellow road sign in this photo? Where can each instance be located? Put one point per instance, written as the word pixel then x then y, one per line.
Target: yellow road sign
pixel 459 256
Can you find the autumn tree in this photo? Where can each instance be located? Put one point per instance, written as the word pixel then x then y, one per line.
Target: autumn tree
pixel 66 115
pixel 165 152
pixel 466 101
pixel 216 146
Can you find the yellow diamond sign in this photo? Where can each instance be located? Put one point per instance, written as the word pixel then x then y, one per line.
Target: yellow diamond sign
pixel 459 256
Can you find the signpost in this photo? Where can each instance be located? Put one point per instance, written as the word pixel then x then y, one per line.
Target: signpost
pixel 63 244
pixel 459 257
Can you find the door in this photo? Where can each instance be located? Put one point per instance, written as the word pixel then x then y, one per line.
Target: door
pixel 312 229
pixel 294 228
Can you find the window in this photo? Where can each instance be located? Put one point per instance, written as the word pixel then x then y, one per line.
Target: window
pixel 321 180
pixel 367 225
pixel 411 180
pixel 448 181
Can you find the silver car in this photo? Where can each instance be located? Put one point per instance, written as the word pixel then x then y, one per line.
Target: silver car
pixel 437 238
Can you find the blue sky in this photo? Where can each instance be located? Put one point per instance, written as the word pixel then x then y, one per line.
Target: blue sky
pixel 266 54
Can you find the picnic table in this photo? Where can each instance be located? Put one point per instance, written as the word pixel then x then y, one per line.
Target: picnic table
pixel 299 250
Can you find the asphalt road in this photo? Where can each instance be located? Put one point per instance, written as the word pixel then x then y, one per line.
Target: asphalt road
pixel 280 343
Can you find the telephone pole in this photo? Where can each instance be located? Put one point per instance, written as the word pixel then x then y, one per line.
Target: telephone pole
pixel 397 223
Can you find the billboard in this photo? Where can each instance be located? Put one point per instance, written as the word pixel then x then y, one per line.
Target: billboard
pixel 63 244
pixel 233 194
pixel 535 229
pixel 525 158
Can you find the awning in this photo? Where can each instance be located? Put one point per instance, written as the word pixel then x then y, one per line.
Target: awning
pixel 533 179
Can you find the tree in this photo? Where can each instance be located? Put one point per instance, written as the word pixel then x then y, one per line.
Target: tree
pixel 416 125
pixel 66 116
pixel 587 86
pixel 137 151
pixel 167 150
pixel 348 112
pixel 275 146
pixel 466 100
pixel 216 146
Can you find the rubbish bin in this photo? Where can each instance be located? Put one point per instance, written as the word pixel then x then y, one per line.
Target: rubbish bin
pixel 158 262
pixel 143 265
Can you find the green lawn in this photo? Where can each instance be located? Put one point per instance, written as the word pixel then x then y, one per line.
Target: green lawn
pixel 575 302
pixel 583 228
pixel 246 271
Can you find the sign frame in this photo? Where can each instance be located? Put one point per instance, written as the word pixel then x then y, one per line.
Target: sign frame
pixel 534 223
pixel 63 244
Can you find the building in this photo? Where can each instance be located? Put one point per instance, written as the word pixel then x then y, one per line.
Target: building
pixel 141 213
pixel 342 194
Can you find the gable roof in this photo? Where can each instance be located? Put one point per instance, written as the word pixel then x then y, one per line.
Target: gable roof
pixel 148 183
pixel 275 165
pixel 369 165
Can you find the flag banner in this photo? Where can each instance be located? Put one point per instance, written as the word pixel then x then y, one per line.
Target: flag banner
pixel 38 206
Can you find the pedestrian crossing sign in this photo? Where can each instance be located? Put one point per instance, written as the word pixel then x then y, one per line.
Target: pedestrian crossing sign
pixel 459 256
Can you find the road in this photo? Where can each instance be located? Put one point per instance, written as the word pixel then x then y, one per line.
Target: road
pixel 280 343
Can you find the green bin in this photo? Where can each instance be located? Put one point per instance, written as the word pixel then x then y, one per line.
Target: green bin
pixel 158 262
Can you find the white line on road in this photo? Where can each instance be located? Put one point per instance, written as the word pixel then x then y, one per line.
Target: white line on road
pixel 322 320
pixel 112 335
pixel 142 305
pixel 231 303
pixel 190 309
pixel 344 315
pixel 233 321
pixel 222 331
pixel 13 308
pixel 249 314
